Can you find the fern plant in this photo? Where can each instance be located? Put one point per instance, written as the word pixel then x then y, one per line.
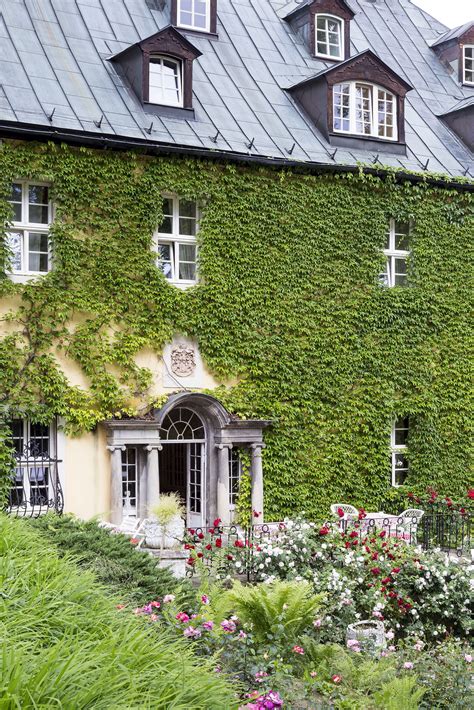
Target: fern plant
pixel 282 609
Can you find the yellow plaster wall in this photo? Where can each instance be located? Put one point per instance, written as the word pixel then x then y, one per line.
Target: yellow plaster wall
pixel 85 475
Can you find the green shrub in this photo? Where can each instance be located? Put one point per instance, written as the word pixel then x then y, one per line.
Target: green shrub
pixel 280 610
pixel 66 646
pixel 130 573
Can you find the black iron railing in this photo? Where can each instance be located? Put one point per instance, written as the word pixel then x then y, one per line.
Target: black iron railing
pixel 234 550
pixel 35 485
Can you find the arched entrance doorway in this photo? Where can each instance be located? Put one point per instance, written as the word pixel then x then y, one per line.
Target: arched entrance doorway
pixel 189 445
pixel 182 461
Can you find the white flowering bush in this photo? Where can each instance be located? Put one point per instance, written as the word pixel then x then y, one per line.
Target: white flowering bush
pixel 371 576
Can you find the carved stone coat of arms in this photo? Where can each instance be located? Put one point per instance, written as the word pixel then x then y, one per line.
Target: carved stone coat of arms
pixel 183 361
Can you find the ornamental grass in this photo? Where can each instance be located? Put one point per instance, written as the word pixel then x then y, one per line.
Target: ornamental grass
pixel 65 644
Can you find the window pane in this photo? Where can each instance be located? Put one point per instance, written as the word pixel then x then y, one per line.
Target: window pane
pixel 165 257
pixel 186 18
pixel 17 436
pixel 38 204
pixel 39 439
pixel 38 262
pixel 14 242
pixel 15 200
pixel 187 208
pixel 187 252
pixel 402 236
pixel 38 242
pixel 187 272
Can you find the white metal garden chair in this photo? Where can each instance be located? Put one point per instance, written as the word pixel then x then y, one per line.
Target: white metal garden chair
pixel 130 526
pixel 348 509
pixel 408 522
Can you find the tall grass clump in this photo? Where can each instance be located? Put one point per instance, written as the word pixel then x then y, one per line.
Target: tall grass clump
pixel 130 573
pixel 65 645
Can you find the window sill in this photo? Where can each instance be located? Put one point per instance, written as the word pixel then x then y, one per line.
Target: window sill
pixel 183 285
pixel 23 277
pixel 198 33
pixel 168 111
pixel 349 140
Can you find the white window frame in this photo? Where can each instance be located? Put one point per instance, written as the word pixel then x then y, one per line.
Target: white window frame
pixel 377 93
pixel 32 463
pixel 326 16
pixel 397 450
pixel 207 27
pixel 156 59
pixel 24 227
pixel 388 278
pixel 129 476
pixel 176 240
pixel 465 59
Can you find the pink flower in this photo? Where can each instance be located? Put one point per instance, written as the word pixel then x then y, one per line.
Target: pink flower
pixel 418 646
pixel 468 658
pixel 182 616
pixel 191 632
pixel 353 645
pixel 153 617
pixel 168 598
pixel 205 599
pixel 228 626
pixel 156 605
pixel 242 635
pixel 336 678
pixel 313 674
pixel 298 649
pixel 209 625
pixel 260 675
pixel 120 606
pixel 317 623
pixel 408 665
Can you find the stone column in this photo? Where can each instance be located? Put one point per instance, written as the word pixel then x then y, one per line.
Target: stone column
pixel 257 483
pixel 152 477
pixel 223 511
pixel 116 502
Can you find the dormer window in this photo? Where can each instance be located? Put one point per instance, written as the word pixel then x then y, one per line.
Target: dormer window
pixel 194 14
pixel 329 37
pixel 165 81
pixel 365 110
pixel 160 71
pixel 468 64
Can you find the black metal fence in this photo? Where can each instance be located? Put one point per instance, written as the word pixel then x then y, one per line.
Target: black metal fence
pixel 232 549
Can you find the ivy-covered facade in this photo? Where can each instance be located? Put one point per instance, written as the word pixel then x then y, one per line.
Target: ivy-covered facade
pixel 305 339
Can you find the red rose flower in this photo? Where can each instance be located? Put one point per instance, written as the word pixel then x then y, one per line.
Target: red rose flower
pixel 191 531
pixel 395 570
pixel 219 542
pixel 340 512
pixel 470 493
pixel 347 544
pixel 354 533
pixel 386 580
pixel 201 536
pixel 362 514
pixel 190 561
pixel 449 502
pixel 199 554
pixel 383 533
pixel 375 570
pixel 238 543
pixel 217 522
pixel 411 495
pixel 375 556
pixel 229 557
pixel 211 531
pixel 208 547
pixel 324 530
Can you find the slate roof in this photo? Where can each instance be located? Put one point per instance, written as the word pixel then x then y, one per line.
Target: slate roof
pixel 54 54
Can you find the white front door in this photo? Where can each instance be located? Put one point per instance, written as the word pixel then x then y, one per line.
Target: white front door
pixel 195 499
